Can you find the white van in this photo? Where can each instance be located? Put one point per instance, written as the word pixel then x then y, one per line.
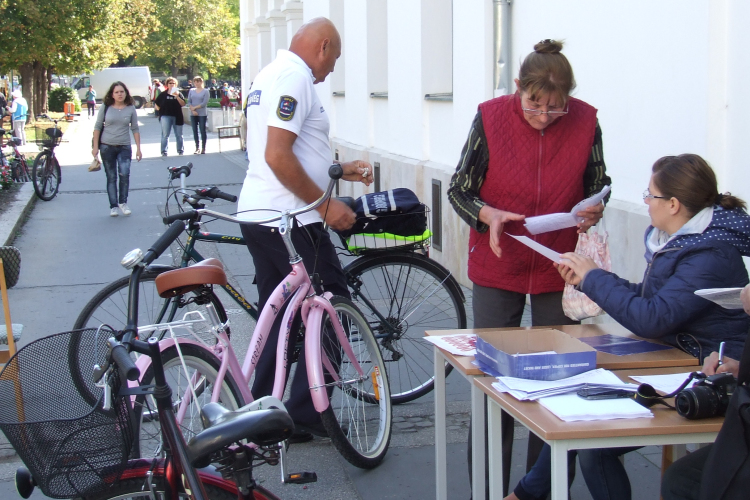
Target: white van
pixel 136 78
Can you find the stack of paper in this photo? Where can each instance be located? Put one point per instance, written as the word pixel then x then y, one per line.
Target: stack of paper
pixel 664 383
pixel 460 344
pixel 531 390
pixel 571 408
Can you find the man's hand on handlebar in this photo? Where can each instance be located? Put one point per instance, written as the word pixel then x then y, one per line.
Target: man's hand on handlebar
pixel 357 171
pixel 337 214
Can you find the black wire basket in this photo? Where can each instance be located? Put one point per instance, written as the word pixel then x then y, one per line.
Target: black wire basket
pixel 47 137
pixel 53 415
pixel 394 232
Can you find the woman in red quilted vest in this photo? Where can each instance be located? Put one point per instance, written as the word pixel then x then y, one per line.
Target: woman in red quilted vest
pixel 535 152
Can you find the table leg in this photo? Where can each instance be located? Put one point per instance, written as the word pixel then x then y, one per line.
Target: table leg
pixel 495 450
pixel 441 463
pixel 478 441
pixel 559 470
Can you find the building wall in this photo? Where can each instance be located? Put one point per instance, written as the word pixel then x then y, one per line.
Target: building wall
pixel 667 78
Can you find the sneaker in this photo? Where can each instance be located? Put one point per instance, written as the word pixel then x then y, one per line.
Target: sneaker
pixel 164 154
pixel 125 209
pixel 180 153
pixel 113 212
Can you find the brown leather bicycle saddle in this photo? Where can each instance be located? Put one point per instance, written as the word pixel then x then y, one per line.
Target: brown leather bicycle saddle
pixel 187 279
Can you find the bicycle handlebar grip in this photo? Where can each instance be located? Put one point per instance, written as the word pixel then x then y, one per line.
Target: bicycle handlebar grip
pixel 125 363
pixel 349 201
pixel 166 239
pixel 215 192
pixel 335 171
pixel 179 216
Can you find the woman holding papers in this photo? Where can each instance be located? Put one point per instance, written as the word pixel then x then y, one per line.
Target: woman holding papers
pixel 535 152
pixel 696 240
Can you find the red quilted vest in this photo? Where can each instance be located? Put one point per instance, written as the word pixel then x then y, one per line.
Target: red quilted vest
pixel 530 173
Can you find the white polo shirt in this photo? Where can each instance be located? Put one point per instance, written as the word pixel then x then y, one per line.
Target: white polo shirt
pixel 283 96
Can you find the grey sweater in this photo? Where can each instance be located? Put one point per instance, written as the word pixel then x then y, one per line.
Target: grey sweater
pixel 198 99
pixel 116 125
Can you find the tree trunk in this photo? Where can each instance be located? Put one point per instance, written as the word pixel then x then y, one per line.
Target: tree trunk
pixel 47 87
pixel 40 88
pixel 173 67
pixel 27 87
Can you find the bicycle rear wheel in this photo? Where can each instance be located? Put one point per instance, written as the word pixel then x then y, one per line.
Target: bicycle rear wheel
pixel 360 431
pixel 401 295
pixel 45 174
pixel 201 368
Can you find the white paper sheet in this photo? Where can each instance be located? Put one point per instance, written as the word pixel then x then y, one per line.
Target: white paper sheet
pixel 547 252
pixel 531 390
pixel 553 222
pixel 461 344
pixel 664 383
pixel 571 408
pixel 728 298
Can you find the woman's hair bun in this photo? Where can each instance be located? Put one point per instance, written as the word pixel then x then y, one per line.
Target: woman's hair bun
pixel 548 46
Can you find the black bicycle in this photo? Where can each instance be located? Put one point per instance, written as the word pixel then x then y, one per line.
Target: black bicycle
pixel 46 174
pixel 399 289
pixel 77 433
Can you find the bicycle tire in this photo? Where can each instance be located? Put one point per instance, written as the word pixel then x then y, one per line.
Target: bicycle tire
pixel 45 175
pixel 110 307
pixel 349 418
pixel 133 488
pixel 412 293
pixel 200 360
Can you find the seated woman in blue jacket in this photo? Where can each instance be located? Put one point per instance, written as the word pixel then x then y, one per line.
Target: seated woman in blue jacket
pixel 696 240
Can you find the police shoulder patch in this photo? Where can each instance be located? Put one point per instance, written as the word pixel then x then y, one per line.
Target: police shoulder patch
pixel 287 105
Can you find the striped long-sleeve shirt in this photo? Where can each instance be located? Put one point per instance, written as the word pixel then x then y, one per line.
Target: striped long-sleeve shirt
pixel 463 192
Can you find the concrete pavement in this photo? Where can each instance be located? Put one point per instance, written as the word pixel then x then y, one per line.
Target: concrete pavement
pixel 71 248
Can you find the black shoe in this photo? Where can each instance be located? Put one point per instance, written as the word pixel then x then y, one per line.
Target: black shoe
pixel 300 437
pixel 315 429
pixel 164 154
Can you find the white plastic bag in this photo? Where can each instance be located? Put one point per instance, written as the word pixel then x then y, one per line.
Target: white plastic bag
pixel 576 305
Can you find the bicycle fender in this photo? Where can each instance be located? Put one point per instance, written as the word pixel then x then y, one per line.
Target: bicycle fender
pixel 313 354
pixel 144 362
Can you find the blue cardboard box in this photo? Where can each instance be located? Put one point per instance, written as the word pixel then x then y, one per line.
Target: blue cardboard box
pixel 543 354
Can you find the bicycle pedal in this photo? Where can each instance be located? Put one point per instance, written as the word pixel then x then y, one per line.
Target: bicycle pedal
pixel 301 478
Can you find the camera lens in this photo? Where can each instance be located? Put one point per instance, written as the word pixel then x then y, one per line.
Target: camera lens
pixel 699 402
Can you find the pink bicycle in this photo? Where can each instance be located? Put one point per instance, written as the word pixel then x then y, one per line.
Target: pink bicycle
pixel 348 381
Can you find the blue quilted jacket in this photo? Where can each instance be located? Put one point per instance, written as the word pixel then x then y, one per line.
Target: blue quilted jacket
pixel 664 306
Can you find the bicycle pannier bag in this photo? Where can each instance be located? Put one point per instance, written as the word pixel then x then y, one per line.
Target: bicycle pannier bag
pixel 397 211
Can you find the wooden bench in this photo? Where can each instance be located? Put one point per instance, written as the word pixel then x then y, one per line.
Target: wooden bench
pixel 228 132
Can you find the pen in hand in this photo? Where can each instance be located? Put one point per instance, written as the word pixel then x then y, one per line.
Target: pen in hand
pixel 721 354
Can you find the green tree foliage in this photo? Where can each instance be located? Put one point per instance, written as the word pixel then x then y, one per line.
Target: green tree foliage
pixel 193 35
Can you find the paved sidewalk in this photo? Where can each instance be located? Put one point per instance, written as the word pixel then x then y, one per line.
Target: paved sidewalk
pixel 71 248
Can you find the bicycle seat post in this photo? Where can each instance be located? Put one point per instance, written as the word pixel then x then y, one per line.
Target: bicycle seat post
pixel 285 230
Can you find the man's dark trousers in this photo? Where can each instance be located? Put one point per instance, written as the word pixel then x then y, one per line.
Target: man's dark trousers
pixel 271 261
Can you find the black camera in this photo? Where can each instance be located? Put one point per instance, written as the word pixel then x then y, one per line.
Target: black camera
pixel 707 398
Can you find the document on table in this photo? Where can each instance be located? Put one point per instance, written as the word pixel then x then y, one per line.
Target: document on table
pixel 728 298
pixel 547 252
pixel 461 344
pixel 663 383
pixel 571 408
pixel 531 390
pixel 552 222
pixel 622 346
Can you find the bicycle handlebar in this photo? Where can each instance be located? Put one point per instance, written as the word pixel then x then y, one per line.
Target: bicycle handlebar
pixel 125 364
pixel 215 192
pixel 163 242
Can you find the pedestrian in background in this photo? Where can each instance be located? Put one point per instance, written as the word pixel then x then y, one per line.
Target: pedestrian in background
pixel 169 105
pixel 112 139
pixel 197 101
pixel 90 101
pixel 18 112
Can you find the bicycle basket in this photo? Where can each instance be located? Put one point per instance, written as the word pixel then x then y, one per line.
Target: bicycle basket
pixel 47 137
pixel 53 416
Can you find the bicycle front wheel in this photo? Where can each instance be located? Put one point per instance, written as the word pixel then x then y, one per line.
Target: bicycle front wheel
pixel 133 488
pixel 359 430
pixel 45 174
pixel 401 295
pixel 200 370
